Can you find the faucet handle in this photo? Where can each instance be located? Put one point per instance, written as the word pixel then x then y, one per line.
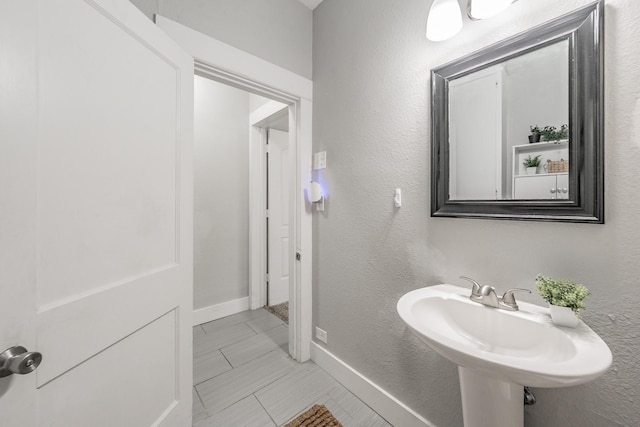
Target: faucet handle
pixel 476 286
pixel 509 299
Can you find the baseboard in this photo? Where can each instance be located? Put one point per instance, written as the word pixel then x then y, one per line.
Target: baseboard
pixel 213 312
pixel 389 407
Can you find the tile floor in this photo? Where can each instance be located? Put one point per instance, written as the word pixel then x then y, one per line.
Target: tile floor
pixel 243 376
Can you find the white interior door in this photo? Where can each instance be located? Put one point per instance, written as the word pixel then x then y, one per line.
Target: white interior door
pixel 475 130
pixel 95 215
pixel 278 195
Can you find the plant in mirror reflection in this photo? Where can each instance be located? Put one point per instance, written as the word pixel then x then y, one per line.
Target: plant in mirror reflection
pixel 531 162
pixel 551 133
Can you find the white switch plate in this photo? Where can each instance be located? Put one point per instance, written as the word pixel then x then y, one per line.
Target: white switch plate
pixel 397 198
pixel 321 335
pixel 320 160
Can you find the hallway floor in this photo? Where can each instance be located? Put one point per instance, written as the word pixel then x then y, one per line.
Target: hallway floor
pixel 243 376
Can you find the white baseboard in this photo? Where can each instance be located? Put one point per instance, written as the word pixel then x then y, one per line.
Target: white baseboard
pixel 389 408
pixel 213 312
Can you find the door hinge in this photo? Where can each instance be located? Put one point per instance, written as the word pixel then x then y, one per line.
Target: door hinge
pixel 266 277
pixel 297 256
pixel 266 213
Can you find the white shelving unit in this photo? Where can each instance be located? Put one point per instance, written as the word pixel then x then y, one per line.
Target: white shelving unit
pixel 543 185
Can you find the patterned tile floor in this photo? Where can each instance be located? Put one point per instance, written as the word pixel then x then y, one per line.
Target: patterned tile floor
pixel 243 376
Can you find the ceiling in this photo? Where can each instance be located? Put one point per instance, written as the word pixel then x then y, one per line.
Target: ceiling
pixel 311 4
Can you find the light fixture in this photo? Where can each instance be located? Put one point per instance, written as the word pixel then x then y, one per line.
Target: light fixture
pixel 444 21
pixel 482 9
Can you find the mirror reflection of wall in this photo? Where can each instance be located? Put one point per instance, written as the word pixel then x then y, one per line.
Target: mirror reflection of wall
pixel 490 113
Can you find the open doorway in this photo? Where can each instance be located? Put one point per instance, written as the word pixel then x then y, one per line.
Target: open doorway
pixel 229 334
pixel 221 62
pixel 224 201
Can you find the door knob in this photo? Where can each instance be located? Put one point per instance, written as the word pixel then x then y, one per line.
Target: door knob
pixel 17 360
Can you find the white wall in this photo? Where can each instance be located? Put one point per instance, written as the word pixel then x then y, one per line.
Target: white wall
pixel 371 115
pixel 278 31
pixel 221 193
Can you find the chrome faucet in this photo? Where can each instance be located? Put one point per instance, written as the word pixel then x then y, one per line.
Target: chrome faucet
pixel 486 295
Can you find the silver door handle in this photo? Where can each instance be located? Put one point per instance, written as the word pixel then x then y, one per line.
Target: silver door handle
pixel 17 360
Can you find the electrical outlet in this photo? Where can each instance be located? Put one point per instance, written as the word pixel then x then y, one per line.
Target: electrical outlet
pixel 321 335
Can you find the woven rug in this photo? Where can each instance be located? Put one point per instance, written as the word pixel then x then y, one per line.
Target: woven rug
pixel 281 311
pixel 316 416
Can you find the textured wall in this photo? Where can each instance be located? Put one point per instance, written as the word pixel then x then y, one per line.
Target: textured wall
pixel 371 67
pixel 278 31
pixel 221 193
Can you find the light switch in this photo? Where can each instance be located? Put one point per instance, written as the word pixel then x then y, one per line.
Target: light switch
pixel 320 160
pixel 397 198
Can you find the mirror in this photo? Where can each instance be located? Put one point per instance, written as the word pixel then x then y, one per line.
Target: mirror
pixel 517 127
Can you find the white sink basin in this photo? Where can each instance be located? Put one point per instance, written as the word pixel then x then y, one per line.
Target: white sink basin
pixel 520 347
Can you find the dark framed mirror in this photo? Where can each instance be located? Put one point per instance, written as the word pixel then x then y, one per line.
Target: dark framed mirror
pixel 518 127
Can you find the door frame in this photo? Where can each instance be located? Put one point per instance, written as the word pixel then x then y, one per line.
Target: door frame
pixel 258 194
pixel 226 64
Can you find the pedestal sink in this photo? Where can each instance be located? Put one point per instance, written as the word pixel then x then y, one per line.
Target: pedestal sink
pixel 498 351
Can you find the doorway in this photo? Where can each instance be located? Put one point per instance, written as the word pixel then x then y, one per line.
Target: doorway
pixel 224 63
pixel 222 200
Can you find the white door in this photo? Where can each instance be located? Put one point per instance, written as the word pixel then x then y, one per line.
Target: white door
pixel 95 215
pixel 475 134
pixel 278 195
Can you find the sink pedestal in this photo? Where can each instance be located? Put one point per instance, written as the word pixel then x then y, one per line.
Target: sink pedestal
pixel 488 402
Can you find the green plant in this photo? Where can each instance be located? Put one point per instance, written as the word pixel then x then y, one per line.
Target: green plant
pixel 550 133
pixel 563 293
pixel 531 162
pixel 535 129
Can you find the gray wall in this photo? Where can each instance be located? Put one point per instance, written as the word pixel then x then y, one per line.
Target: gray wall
pixel 371 66
pixel 221 193
pixel 278 31
pixel 533 87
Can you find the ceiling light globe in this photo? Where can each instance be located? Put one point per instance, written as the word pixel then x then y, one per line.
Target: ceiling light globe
pixel 444 20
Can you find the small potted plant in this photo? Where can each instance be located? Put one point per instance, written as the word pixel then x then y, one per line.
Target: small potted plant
pixel 565 299
pixel 531 163
pixel 551 133
pixel 535 134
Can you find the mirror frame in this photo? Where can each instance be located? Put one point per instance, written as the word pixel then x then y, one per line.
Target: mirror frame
pixel 584 30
